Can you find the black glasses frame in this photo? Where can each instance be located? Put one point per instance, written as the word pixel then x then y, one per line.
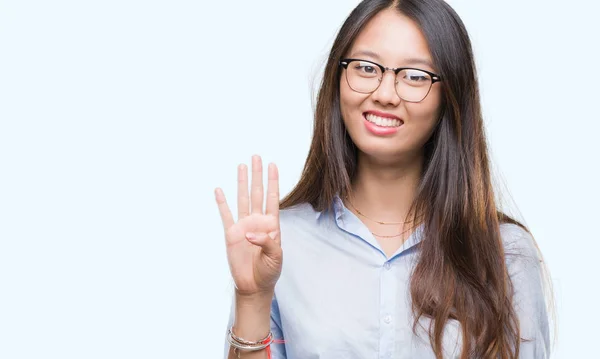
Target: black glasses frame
pixel 434 77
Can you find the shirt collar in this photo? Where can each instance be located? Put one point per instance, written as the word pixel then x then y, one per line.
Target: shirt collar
pixel 338 208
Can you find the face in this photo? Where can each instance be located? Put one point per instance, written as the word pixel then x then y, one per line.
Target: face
pixel 392 40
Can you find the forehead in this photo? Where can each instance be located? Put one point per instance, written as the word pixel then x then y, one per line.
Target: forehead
pixel 393 39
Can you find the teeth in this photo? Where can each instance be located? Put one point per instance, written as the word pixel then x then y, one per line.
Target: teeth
pixel 381 121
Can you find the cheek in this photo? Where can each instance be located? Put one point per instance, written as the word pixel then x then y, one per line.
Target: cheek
pixel 424 117
pixel 427 111
pixel 345 95
pixel 435 101
pixel 424 124
pixel 350 100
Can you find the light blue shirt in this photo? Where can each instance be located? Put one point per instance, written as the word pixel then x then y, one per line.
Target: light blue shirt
pixel 340 296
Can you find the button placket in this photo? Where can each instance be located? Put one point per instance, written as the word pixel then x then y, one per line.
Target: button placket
pixel 388 304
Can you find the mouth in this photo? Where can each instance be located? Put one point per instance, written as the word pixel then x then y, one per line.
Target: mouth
pixel 382 121
pixel 381 126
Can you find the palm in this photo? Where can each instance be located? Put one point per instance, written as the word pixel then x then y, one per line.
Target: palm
pixel 255 266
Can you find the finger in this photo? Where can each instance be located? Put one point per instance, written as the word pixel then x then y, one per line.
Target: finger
pixel 267 242
pixel 256 194
pixel 276 236
pixel 226 216
pixel 243 200
pixel 273 192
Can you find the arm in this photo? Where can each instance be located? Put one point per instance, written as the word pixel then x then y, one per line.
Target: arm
pixel 526 271
pixel 252 318
pixel 254 254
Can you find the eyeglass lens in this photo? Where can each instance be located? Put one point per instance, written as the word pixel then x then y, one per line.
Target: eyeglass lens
pixel 412 85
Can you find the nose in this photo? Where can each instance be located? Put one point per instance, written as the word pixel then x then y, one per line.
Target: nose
pixel 386 93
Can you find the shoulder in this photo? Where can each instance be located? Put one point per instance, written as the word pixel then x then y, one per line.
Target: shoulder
pixel 302 226
pixel 297 221
pixel 519 245
pixel 300 214
pixel 515 235
pixel 528 277
pixel 524 264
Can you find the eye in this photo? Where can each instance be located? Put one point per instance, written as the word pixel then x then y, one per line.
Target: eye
pixel 366 68
pixel 415 77
pixel 419 78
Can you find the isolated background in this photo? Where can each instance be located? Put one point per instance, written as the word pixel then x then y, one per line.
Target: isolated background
pixel 119 118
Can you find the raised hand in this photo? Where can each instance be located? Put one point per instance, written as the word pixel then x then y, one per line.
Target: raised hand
pixel 253 242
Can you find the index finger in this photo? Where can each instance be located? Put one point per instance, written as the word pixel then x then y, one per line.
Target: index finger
pixel 226 216
pixel 272 206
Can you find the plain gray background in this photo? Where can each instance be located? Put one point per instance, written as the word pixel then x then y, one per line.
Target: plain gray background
pixel 119 118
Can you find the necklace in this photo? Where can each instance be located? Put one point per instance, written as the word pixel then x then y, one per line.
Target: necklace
pixel 380 222
pixel 392 236
pixel 371 219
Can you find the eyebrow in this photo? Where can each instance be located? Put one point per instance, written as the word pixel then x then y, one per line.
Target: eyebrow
pixel 410 60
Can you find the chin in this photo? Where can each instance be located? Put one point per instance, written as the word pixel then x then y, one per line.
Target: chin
pixel 380 153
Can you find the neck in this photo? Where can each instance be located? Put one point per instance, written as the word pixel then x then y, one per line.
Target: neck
pixel 385 191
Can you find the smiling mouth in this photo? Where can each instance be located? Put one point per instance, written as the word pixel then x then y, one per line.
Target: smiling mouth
pixel 383 121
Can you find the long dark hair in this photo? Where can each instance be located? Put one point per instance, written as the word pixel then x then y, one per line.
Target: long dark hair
pixel 461 273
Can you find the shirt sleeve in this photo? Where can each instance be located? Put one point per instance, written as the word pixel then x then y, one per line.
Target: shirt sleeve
pixel 278 346
pixel 527 274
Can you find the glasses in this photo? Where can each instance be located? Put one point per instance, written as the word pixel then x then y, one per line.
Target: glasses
pixel 412 85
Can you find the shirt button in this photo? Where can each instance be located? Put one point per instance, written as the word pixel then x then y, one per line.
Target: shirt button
pixel 387 319
pixel 387 265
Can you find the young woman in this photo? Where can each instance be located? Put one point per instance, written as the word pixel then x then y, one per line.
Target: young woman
pixel 394 244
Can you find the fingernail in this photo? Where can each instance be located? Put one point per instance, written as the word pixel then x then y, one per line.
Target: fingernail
pixel 273 234
pixel 250 236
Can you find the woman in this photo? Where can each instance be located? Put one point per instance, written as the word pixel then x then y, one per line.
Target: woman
pixel 394 245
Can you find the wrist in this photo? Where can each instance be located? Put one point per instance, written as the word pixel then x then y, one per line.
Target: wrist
pixel 252 316
pixel 254 298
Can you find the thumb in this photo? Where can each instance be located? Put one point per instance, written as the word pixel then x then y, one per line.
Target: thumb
pixel 267 241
